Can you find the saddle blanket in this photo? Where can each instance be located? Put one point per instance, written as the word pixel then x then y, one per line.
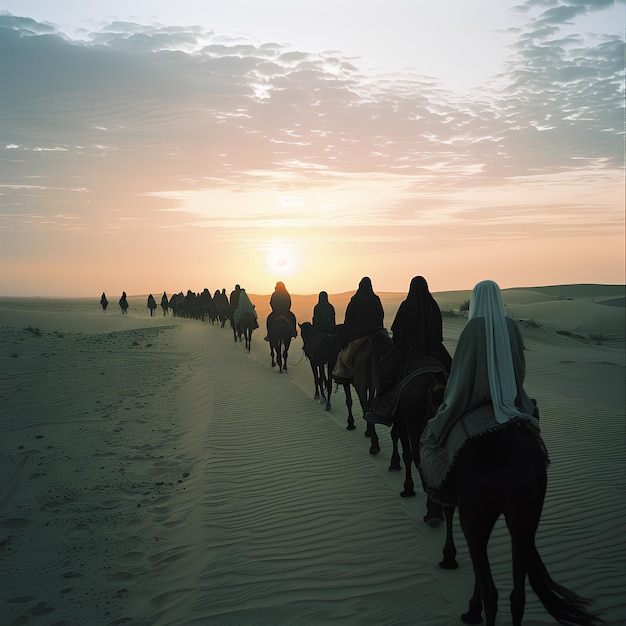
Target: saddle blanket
pixel 436 462
pixel 342 372
pixel 386 405
pixel 313 341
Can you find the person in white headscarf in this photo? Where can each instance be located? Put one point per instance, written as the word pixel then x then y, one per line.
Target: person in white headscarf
pixel 244 305
pixel 488 368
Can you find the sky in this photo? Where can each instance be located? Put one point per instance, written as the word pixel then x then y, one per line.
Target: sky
pixel 152 146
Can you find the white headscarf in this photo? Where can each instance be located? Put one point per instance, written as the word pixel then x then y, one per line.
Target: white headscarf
pixel 486 302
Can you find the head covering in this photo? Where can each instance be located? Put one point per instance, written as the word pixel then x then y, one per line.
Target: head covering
pixel 364 313
pixel 417 327
pixel 324 313
pixel 280 300
pixel 365 285
pixel 244 306
pixel 486 302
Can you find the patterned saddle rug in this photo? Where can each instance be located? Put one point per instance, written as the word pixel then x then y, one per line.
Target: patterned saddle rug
pixel 436 463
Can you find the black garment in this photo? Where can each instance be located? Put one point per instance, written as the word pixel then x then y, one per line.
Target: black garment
pixel 124 303
pixel 324 314
pixel 418 328
pixel 280 301
pixel 234 298
pixel 364 313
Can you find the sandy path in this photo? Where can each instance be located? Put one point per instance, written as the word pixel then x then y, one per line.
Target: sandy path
pixel 160 474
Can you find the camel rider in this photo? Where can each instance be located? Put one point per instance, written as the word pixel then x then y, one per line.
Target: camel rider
pixel 324 314
pixel 244 305
pixel 234 299
pixel 364 313
pixel 417 336
pixel 363 319
pixel 280 302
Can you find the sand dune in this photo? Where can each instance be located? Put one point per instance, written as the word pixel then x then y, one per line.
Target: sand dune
pixel 156 473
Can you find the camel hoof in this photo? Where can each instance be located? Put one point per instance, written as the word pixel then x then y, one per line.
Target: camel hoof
pixel 350 427
pixel 409 493
pixel 328 407
pixel 452 565
pixel 374 449
pixel 470 618
pixel 433 522
pixel 395 468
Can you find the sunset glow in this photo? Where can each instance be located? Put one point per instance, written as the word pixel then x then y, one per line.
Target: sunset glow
pixel 150 146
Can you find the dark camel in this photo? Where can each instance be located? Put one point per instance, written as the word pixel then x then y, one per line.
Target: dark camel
pixel 321 349
pixel 504 473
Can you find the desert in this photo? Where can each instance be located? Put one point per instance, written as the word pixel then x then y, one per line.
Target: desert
pixel 157 473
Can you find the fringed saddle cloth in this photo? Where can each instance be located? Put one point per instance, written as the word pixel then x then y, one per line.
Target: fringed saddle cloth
pixel 437 462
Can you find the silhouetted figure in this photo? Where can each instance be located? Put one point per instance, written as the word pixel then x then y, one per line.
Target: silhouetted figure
pixel 417 342
pixel 205 300
pixel 280 301
pixel 165 304
pixel 152 305
pixel 124 303
pixel 364 313
pixel 324 314
pixel 234 299
pixel 104 303
pixel 363 320
pixel 418 328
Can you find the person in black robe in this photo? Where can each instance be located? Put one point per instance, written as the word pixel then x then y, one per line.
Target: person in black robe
pixel 280 301
pixel 324 314
pixel 123 303
pixel 364 313
pixel 418 328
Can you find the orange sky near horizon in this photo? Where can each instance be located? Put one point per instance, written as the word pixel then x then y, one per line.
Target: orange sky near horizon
pixel 145 157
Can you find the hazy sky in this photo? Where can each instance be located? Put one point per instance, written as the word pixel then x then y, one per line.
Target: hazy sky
pixel 150 146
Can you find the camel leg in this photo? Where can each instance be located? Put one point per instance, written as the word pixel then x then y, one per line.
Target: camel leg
pixel 449 549
pixel 327 383
pixel 522 519
pixel 477 524
pixel 474 613
pixel 394 464
pixel 316 395
pixel 373 435
pixel 407 458
pixel 348 392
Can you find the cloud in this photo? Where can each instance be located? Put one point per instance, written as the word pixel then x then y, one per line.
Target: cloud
pixel 144 118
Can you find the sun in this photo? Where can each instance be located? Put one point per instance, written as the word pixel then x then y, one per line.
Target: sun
pixel 282 258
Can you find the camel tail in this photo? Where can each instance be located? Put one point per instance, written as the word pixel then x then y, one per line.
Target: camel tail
pixel 566 606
